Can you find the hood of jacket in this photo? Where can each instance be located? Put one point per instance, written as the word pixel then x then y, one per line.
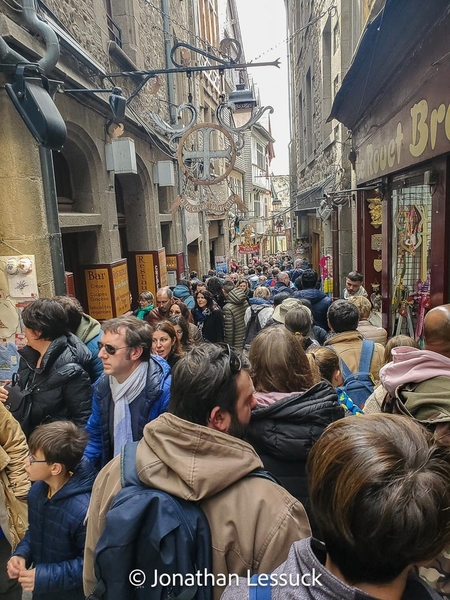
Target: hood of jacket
pixel 88 329
pixel 311 294
pixel 70 345
pixel 427 402
pixel 181 291
pixel 259 301
pixel 412 365
pixel 288 428
pixel 191 461
pixel 237 296
pixel 81 481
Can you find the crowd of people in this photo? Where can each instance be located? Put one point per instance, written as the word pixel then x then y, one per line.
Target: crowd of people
pixel 216 380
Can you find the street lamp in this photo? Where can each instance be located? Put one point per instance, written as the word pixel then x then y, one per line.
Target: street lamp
pixel 242 102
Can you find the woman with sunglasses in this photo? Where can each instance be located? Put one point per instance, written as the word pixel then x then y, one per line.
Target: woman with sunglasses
pixel 166 343
pixel 208 317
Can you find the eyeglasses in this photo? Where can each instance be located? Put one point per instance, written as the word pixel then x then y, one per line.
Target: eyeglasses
pixel 111 350
pixel 234 360
pixel 34 460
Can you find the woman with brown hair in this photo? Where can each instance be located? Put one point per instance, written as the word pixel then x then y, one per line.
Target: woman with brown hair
pixel 294 407
pixel 166 343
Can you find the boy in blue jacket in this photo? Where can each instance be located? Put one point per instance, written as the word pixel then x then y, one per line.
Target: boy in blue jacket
pixel 57 505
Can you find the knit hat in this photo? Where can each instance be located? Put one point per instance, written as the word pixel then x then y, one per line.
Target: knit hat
pixel 427 402
pixel 280 311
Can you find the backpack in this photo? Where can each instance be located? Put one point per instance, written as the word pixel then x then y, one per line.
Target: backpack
pixel 149 532
pixel 258 590
pixel 360 385
pixel 253 325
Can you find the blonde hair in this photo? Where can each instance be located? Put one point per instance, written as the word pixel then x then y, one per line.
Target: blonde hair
pixel 363 305
pixel 261 292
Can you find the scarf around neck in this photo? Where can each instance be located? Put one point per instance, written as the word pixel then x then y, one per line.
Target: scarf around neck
pixel 142 312
pixel 123 395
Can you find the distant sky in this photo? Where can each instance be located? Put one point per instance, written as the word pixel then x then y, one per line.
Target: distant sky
pixel 263 26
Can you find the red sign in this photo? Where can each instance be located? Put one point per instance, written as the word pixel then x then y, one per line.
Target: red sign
pixel 249 249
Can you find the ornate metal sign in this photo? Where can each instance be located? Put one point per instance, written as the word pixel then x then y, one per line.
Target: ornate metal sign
pixel 197 158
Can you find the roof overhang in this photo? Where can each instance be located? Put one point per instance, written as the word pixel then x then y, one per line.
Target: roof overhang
pixel 388 41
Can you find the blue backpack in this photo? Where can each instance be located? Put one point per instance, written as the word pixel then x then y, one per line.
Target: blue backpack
pixel 147 531
pixel 360 385
pixel 257 591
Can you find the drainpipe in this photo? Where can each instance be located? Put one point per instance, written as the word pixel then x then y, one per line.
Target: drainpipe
pixel 47 63
pixel 169 65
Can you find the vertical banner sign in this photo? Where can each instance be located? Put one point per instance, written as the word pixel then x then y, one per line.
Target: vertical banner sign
pixel 145 273
pixel 119 273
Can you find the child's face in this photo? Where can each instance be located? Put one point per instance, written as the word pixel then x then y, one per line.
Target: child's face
pixel 37 467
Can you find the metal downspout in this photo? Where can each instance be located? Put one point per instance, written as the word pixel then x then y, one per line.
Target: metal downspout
pixel 47 63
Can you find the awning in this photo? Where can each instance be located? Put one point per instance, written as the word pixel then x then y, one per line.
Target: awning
pixel 388 41
pixel 311 197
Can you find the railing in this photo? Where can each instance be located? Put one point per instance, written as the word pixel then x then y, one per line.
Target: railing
pixel 115 33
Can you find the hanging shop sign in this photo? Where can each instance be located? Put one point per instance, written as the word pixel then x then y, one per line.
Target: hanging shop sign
pixel 254 249
pixel 418 132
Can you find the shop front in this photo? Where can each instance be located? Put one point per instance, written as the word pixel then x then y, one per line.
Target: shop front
pixel 400 126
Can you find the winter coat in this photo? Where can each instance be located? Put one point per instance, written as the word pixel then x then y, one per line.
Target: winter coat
pixel 320 303
pixel 263 315
pixel 61 386
pixel 348 346
pixel 284 432
pixel 412 365
pixel 369 332
pixel 212 328
pixel 306 558
pixel 280 287
pixel 233 318
pixel 55 540
pixel 252 520
pixel 90 332
pixel 182 292
pixel 14 482
pixel 152 401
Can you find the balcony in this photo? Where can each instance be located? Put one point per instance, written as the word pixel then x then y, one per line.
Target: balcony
pixel 114 31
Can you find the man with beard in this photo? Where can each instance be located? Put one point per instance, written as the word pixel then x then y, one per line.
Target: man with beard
pixel 164 300
pixel 196 453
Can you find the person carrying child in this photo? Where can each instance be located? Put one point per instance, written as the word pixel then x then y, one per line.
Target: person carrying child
pixel 57 505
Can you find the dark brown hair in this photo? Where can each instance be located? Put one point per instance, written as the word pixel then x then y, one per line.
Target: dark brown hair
pixel 137 333
pixel 327 362
pixel 279 363
pixel 167 327
pixel 60 442
pixel 380 495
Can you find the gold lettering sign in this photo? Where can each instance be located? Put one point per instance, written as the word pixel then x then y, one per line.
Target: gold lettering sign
pixel 162 267
pixel 121 288
pixel 145 270
pixel 98 291
pixel 171 262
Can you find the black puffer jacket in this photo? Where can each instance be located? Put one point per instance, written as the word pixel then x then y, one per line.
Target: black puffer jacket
pixel 284 433
pixel 61 386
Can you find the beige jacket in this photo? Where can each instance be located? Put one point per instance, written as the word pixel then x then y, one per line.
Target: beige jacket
pixel 369 332
pixel 348 346
pixel 14 482
pixel 253 521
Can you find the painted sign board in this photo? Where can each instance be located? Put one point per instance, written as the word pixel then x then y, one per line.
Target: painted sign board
pixel 107 290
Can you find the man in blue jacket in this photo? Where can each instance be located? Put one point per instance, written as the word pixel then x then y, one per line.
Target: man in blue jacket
pixel 134 389
pixel 320 302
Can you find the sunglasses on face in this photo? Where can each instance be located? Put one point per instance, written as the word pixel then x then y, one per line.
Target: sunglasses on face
pixel 110 349
pixel 234 360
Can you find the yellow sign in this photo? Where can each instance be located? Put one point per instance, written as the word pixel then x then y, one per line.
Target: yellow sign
pixel 145 273
pixel 162 268
pixel 119 274
pixel 98 293
pixel 171 262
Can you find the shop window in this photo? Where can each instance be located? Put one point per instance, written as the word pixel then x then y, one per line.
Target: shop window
pixel 411 238
pixel 260 157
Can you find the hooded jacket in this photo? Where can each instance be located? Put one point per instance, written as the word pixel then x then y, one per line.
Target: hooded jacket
pixel 90 332
pixel 252 520
pixel 61 386
pixel 182 293
pixel 55 540
pixel 284 432
pixel 412 365
pixel 307 558
pixel 233 318
pixel 320 304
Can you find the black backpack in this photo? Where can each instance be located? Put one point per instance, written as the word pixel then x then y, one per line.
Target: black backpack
pixel 148 531
pixel 253 325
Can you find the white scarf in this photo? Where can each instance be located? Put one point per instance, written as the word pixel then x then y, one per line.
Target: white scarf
pixel 123 395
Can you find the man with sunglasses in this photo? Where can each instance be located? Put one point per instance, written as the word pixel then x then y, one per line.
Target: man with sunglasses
pixel 195 452
pixel 134 389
